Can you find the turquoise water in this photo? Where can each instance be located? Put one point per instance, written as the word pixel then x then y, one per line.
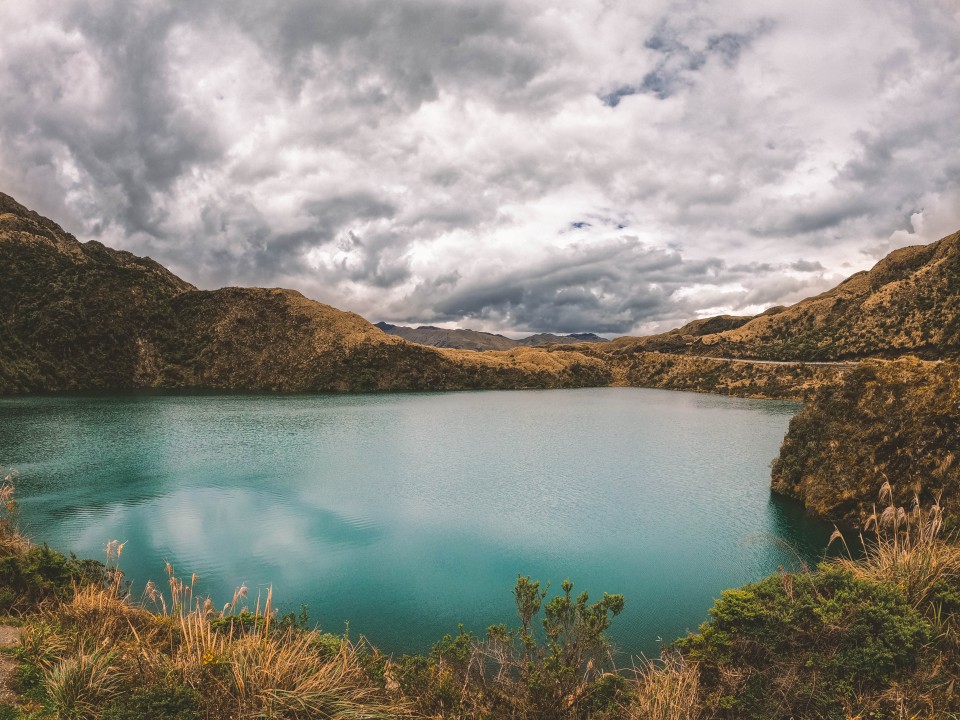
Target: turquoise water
pixel 406 514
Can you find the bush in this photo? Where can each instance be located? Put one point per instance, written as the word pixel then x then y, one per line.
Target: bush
pixel 160 702
pixel 40 573
pixel 804 645
pixel 553 667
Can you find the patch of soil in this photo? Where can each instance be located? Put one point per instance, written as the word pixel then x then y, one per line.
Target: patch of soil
pixel 9 636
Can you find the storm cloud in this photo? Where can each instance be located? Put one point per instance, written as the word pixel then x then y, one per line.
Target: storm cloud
pixel 602 166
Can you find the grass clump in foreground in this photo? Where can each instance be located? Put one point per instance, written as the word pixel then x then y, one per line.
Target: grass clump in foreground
pixel 859 638
pixel 100 655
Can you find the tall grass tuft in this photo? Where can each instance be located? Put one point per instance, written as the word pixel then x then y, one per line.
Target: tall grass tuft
pixel 78 686
pixel 98 645
pixel 11 541
pixel 667 690
pixel 906 548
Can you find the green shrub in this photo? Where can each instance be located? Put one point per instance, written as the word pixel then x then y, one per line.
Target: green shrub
pixel 28 681
pixel 40 574
pixel 552 667
pixel 160 702
pixel 437 681
pixel 804 645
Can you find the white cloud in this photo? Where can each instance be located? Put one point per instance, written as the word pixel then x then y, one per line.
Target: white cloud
pixel 502 165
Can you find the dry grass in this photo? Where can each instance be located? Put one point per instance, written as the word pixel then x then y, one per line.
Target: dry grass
pixel 11 541
pixel 667 690
pixel 81 684
pixel 99 643
pixel 906 548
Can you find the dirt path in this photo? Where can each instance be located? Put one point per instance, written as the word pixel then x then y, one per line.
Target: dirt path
pixel 9 636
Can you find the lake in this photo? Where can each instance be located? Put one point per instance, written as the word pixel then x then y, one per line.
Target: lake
pixel 406 514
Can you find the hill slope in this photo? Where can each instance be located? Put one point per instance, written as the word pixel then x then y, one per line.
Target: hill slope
pixel 907 304
pixel 80 316
pixel 457 339
pixel 896 422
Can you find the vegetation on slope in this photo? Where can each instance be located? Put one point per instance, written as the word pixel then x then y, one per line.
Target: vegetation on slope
pixel 80 316
pixel 459 339
pixel 908 304
pixel 883 421
pixel 793 381
pixel 72 315
pixel 77 316
pixel 873 637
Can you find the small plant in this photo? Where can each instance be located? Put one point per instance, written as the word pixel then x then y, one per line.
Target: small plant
pixel 8 503
pixel 11 541
pixel 552 670
pixel 159 702
pixel 906 549
pixel 78 686
pixel 666 690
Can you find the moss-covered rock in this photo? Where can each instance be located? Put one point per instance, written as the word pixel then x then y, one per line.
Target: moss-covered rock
pixel 884 421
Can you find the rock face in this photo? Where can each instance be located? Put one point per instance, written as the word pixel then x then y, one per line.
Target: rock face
pixel 908 304
pixel 80 316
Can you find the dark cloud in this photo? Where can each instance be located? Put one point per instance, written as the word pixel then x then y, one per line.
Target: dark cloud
pixel 754 267
pixel 398 54
pixel 613 98
pixel 448 161
pixel 806 266
pixel 624 282
pixel 817 216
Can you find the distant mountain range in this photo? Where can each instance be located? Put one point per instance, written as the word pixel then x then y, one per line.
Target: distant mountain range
pixel 463 339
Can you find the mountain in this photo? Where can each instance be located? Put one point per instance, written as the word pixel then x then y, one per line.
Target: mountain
pixel 907 304
pixel 464 339
pixel 81 316
pixel 442 338
pixel 572 338
pixel 76 316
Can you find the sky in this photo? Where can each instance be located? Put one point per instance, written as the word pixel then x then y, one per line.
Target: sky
pixel 516 166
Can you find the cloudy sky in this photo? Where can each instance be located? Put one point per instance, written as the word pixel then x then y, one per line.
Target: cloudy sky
pixel 509 165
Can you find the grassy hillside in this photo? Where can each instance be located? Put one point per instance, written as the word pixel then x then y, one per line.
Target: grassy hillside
pixel 80 316
pixel 789 381
pixel 455 339
pixel 72 315
pixel 76 316
pixel 908 304
pixel 884 421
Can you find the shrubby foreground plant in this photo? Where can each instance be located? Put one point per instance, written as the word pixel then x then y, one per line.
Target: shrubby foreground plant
pixel 872 636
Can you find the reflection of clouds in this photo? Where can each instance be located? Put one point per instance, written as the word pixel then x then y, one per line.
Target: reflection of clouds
pixel 438 501
pixel 232 535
